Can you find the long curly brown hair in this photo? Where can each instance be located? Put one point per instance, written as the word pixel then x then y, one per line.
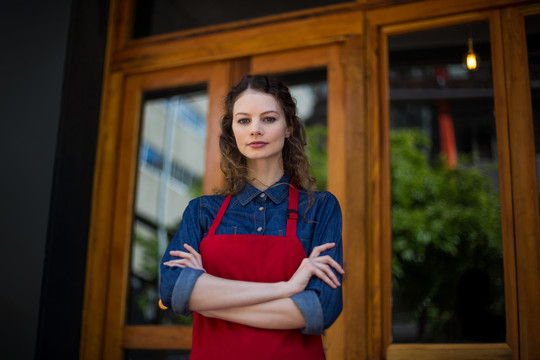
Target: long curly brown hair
pixel 295 161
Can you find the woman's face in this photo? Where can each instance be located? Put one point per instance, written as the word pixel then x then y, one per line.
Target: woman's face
pixel 259 126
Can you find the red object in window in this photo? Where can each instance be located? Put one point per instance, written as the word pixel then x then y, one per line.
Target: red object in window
pixel 446 133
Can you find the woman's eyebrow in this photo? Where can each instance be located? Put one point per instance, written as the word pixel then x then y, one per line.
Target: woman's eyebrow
pixel 270 111
pixel 263 113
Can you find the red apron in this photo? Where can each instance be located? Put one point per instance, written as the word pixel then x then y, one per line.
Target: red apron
pixel 256 258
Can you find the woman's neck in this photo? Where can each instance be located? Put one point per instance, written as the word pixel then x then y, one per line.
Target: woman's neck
pixel 262 176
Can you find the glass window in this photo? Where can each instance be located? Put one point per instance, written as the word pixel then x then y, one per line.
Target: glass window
pixel 310 91
pixel 169 175
pixel 153 17
pixel 532 27
pixel 447 273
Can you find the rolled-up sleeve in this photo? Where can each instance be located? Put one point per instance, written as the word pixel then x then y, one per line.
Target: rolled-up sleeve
pixel 310 307
pixel 182 290
pixel 176 283
pixel 323 304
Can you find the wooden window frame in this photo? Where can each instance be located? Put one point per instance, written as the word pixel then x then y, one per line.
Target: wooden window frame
pixel 524 181
pixel 415 17
pixel 119 173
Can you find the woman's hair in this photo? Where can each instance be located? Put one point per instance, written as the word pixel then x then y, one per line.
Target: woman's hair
pixel 295 161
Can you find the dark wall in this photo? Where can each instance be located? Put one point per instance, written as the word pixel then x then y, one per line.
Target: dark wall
pixel 50 86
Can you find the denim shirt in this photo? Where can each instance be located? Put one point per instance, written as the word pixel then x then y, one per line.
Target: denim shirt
pixel 253 211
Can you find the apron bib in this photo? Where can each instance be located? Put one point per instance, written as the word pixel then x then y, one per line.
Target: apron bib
pixel 255 258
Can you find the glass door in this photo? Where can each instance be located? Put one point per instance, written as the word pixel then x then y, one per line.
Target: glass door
pixel 448 234
pixel 168 121
pixel 447 258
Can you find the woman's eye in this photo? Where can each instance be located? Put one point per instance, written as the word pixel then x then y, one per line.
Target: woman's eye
pixel 243 121
pixel 270 119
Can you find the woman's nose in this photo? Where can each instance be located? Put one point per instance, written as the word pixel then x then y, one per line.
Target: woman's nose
pixel 255 129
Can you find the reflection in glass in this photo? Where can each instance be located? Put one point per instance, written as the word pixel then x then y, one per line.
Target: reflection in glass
pixel 310 91
pixel 169 175
pixel 532 27
pixel 447 274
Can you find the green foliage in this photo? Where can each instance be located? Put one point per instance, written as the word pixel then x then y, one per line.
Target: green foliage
pixel 444 221
pixel 317 153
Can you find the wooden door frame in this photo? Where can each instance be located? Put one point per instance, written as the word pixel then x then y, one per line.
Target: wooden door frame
pixel 346 179
pixel 413 17
pixel 524 181
pixel 133 67
pixel 105 334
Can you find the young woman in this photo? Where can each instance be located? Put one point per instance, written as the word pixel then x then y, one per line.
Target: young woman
pixel 239 260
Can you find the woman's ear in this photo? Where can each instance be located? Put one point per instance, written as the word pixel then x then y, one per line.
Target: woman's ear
pixel 289 131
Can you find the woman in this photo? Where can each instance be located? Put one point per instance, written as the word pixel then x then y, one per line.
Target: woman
pixel 239 261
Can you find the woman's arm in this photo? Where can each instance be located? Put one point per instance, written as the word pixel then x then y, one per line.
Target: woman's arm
pixel 213 293
pixel 190 232
pixel 280 314
pixel 328 229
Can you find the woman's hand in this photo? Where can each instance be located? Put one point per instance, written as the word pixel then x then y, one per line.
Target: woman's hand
pixel 319 266
pixel 191 258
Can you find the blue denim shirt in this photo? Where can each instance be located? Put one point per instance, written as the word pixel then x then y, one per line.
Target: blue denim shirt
pixel 249 210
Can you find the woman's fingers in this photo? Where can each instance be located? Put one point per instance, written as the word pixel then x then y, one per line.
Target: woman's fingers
pixel 317 250
pixel 317 267
pixel 325 273
pixel 322 271
pixel 176 263
pixel 191 258
pixel 331 262
pixel 178 253
pixel 192 251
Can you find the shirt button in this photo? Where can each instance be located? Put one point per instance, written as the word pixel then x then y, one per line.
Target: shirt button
pixel 261 208
pixel 263 195
pixel 259 229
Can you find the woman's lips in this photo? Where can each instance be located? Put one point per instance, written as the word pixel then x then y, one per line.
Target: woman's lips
pixel 257 144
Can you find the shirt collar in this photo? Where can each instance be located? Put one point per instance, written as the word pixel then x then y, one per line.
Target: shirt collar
pixel 276 192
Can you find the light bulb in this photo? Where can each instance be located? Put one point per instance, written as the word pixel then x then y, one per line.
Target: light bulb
pixel 471 58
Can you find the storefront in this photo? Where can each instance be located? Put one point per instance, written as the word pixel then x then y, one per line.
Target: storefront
pixel 434 165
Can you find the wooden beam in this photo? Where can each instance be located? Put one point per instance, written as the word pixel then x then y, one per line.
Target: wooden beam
pixel 347 180
pixel 163 337
pixel 101 222
pixel 431 9
pixel 450 352
pixel 237 43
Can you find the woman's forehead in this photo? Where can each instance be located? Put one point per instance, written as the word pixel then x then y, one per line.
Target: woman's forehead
pixel 252 98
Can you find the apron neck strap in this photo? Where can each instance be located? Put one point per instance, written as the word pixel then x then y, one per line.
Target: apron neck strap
pixel 292 212
pixel 217 220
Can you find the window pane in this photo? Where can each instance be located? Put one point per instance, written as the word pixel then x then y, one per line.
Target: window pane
pixel 169 175
pixel 447 273
pixel 310 91
pixel 154 17
pixel 532 27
